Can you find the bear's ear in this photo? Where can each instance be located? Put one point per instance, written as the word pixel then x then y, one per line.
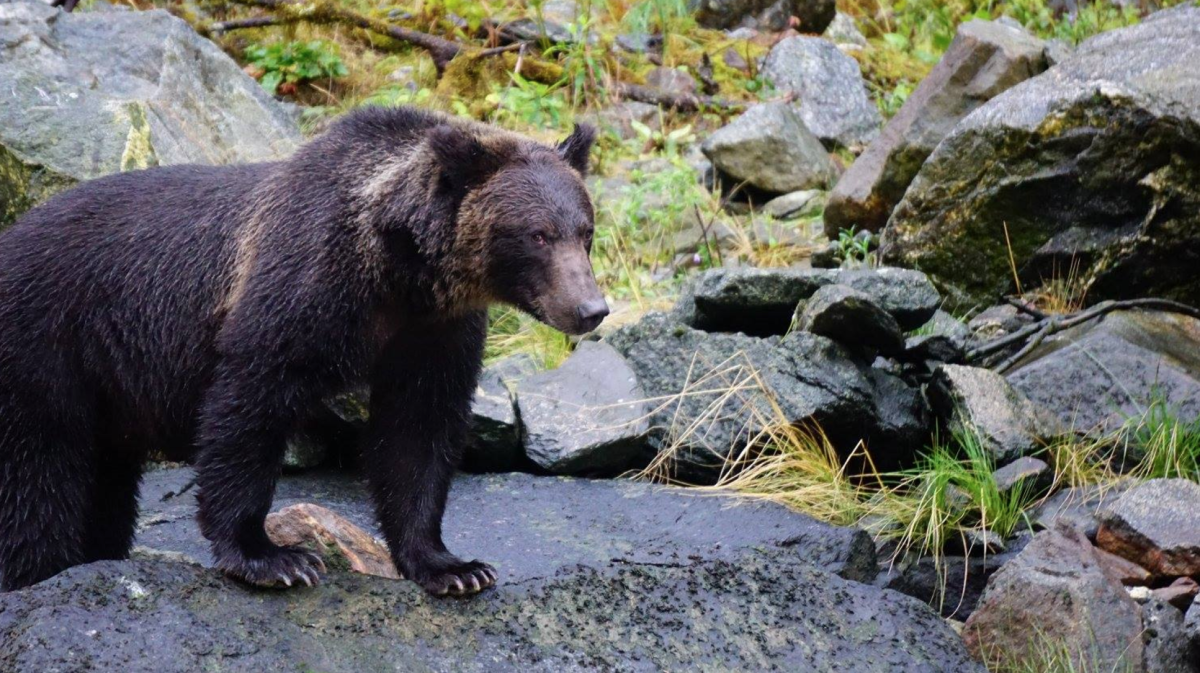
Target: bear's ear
pixel 574 150
pixel 465 161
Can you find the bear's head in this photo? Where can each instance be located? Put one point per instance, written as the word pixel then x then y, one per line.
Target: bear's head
pixel 525 220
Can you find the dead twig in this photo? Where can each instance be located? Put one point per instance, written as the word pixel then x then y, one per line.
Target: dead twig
pixel 684 102
pixel 1037 332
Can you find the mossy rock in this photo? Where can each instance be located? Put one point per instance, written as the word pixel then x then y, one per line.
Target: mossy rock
pixel 89 94
pixel 1092 166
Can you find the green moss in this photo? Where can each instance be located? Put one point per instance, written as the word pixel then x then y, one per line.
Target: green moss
pixel 23 186
pixel 139 150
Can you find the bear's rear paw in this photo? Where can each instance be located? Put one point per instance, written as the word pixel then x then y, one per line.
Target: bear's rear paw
pixel 456 578
pixel 278 568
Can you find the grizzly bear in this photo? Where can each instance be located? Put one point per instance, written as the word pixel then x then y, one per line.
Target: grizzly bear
pixel 208 311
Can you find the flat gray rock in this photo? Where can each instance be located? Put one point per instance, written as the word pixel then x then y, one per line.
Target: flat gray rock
pixel 984 59
pixel 1156 525
pixel 1089 167
pixel 537 527
pixel 1095 376
pixel 88 94
pixel 595 575
pixel 589 416
pixel 831 95
pixel 163 617
pixel 769 147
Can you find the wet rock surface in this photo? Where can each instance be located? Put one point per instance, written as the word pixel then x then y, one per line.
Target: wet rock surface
pixel 1090 163
pixel 1095 376
pixel 147 616
pixel 494 444
pixel 589 416
pixel 763 301
pixel 1155 525
pixel 714 585
pixel 1057 588
pixel 137 89
pixel 533 527
pixel 851 317
pixel 980 400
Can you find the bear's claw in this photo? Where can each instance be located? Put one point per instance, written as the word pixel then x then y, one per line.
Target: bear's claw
pixel 281 568
pixel 463 579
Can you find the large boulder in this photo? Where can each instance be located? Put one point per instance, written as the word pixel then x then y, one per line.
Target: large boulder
pixel 707 581
pixel 768 147
pixel 831 96
pixel 1157 526
pixel 1095 376
pixel 715 394
pixel 88 94
pixel 1092 165
pixel 814 16
pixel 763 301
pixel 1056 593
pixel 589 416
pixel 984 59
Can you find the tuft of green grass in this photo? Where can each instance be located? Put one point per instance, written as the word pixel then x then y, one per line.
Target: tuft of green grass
pixel 1048 654
pixel 511 331
pixel 1164 444
pixel 950 493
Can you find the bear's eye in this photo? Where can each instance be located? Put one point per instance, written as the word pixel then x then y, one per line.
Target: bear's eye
pixel 539 238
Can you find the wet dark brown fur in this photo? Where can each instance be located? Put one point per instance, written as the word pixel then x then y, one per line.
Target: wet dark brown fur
pixel 208 311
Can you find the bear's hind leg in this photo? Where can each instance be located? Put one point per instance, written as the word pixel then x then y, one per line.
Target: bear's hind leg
pixel 46 479
pixel 113 519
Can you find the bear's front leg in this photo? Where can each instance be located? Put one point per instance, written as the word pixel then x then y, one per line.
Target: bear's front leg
pixel 245 421
pixel 421 394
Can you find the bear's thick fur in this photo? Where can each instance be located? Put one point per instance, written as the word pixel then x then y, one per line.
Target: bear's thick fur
pixel 208 310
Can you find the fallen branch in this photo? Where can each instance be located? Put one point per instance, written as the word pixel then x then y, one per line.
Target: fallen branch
pixel 441 50
pixel 238 24
pixel 324 11
pixel 1034 334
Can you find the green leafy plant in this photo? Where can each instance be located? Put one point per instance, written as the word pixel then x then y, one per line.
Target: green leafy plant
pixel 295 62
pixel 583 66
pixel 667 142
pixel 528 102
pixel 852 247
pixel 1164 444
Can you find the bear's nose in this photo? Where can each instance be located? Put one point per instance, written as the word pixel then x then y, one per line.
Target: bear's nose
pixel 592 313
